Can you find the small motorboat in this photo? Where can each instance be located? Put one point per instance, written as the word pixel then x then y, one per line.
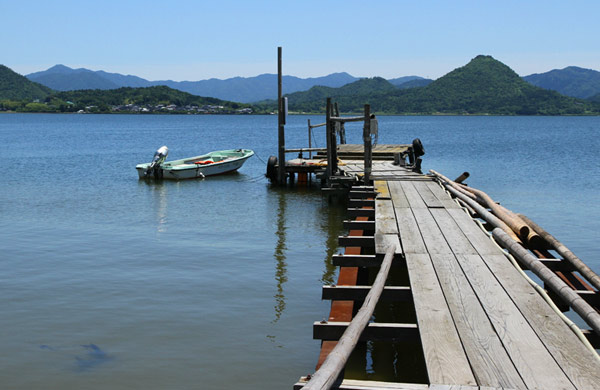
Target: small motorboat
pixel 213 163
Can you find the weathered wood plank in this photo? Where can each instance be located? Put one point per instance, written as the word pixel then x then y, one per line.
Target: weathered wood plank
pixel 410 235
pixel 477 237
pixel 381 187
pixel 353 384
pixel 428 197
pixel 456 239
pixel 535 365
pixel 432 236
pixel 579 363
pixel 384 241
pixel 441 194
pixel 397 195
pixel 489 360
pixel 444 355
pixel 414 199
pixel 385 218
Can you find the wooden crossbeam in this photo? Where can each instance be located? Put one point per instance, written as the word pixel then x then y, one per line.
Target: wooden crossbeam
pixel 592 337
pixel 358 293
pixel 362 241
pixel 362 225
pixel 356 194
pixel 361 203
pixel 373 332
pixel 358 212
pixel 357 260
pixel 558 265
pixel 591 297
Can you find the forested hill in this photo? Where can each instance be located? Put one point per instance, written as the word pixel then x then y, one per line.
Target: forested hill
pixel 17 93
pixel 483 86
pixel 13 86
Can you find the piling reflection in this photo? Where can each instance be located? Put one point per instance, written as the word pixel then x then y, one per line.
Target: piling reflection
pixel 279 256
pixel 332 228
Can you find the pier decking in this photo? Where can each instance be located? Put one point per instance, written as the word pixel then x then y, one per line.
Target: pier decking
pixel 480 323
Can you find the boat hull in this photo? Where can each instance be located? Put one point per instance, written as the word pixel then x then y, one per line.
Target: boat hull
pixel 211 164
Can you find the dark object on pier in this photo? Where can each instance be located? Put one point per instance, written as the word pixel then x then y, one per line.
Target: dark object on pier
pixel 272 169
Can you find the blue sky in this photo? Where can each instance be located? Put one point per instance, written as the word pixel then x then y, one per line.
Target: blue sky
pixel 194 40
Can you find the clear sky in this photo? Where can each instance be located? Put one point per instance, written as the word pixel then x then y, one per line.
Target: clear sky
pixel 195 40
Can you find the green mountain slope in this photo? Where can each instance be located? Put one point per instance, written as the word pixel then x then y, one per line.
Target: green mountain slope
pixel 13 86
pixel 483 86
pixel 571 81
pixel 139 96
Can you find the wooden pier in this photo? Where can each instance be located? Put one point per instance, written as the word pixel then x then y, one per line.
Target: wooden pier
pixel 471 317
pixel 479 322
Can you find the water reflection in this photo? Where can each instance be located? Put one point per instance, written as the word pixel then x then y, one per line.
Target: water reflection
pixel 332 228
pixel 159 190
pixel 279 255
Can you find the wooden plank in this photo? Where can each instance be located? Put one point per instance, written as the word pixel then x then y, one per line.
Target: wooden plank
pixel 397 195
pixel 414 199
pixel 385 218
pixel 456 239
pixel 324 330
pixel 428 197
pixel 384 241
pixel 489 360
pixel 535 365
pixel 432 236
pixel 579 363
pixel 356 260
pixel 444 355
pixel 442 195
pixel 353 384
pixel 410 235
pixel 381 187
pixel 479 239
pixel 358 293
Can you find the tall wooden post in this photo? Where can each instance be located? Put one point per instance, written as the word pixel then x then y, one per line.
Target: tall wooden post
pixel 281 124
pixel 328 131
pixel 367 145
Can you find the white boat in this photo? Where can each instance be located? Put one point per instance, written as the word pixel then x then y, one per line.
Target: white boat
pixel 213 163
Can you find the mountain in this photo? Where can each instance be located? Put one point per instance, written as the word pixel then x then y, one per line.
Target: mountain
pixel 420 82
pixel 483 86
pixel 13 86
pixel 401 80
pixel 314 99
pixel 571 81
pixel 63 78
pixel 241 89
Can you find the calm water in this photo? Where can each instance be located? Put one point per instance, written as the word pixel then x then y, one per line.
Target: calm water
pixel 111 282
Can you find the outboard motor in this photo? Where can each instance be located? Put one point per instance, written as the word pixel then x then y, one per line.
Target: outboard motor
pixel 159 157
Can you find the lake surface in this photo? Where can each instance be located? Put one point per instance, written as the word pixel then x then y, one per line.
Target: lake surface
pixel 111 282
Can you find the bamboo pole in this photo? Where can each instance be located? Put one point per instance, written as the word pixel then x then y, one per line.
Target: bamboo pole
pixel 453 184
pixel 579 305
pixel 330 370
pixel 579 265
pixel 482 211
pixel 511 219
pixel 515 223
